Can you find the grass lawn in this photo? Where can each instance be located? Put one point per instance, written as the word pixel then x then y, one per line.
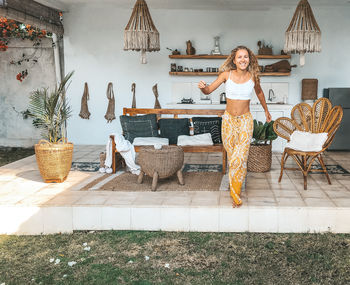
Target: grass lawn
pixel 11 154
pixel 132 257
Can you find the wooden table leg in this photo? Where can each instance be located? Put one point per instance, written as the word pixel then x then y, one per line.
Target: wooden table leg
pixel 180 177
pixel 140 178
pixel 155 181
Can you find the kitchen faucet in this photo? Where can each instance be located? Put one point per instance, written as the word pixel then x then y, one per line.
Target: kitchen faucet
pixel 271 95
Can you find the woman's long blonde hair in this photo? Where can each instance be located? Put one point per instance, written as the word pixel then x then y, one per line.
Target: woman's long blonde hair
pixel 253 66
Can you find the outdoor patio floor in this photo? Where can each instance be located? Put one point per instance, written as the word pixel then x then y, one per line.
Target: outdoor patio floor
pixel 29 206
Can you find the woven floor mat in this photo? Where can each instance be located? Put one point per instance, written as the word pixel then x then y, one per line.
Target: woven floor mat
pixel 194 181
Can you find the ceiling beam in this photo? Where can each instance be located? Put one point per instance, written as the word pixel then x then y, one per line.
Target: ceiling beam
pixel 55 4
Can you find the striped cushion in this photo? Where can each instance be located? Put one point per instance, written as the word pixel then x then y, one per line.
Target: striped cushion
pixel 212 125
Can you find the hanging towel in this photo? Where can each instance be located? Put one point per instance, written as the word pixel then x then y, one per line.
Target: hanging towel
pixel 110 114
pixel 84 110
pixel 127 151
pixel 156 103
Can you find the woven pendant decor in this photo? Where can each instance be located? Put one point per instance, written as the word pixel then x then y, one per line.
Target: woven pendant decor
pixel 303 34
pixel 140 33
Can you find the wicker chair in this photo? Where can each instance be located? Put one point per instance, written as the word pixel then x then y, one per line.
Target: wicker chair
pixel 321 117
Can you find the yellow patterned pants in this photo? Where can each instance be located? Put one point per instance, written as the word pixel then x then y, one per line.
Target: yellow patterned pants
pixel 237 133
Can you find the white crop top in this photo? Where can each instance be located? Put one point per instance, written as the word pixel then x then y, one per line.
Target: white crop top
pixel 236 91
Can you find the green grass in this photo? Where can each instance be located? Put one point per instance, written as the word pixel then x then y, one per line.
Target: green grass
pixel 118 257
pixel 11 154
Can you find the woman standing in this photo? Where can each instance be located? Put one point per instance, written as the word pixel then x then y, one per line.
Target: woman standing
pixel 240 72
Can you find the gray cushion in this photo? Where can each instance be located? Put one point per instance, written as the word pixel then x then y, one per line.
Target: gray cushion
pixel 139 126
pixel 172 128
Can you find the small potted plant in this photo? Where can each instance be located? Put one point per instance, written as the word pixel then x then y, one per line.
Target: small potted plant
pixel 50 110
pixel 260 152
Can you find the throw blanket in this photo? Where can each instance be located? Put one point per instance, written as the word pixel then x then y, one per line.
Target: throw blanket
pixel 127 151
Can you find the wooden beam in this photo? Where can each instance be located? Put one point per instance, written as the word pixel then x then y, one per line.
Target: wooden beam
pixel 32 13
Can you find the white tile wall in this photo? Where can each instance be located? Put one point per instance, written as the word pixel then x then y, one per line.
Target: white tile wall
pixel 234 220
pixel 116 218
pixel 48 220
pixel 263 219
pixel 87 218
pixel 58 219
pixel 204 219
pixel 175 219
pixel 181 90
pixel 280 91
pixel 145 218
pixel 292 219
pixel 21 220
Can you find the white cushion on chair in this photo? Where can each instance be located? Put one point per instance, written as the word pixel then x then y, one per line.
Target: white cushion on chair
pixel 150 141
pixel 202 139
pixel 306 141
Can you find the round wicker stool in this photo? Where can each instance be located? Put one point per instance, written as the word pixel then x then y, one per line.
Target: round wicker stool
pixel 161 163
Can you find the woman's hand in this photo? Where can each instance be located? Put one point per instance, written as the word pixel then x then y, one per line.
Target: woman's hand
pixel 268 116
pixel 201 84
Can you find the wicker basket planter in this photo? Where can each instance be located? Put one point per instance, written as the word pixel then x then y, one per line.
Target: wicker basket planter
pixel 54 160
pixel 259 158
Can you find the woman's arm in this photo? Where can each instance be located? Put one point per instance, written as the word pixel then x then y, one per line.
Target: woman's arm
pixel 208 89
pixel 260 94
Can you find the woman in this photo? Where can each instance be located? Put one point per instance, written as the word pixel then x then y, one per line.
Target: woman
pixel 240 72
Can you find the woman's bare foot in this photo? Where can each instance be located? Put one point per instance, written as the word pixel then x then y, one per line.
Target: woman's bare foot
pixel 234 205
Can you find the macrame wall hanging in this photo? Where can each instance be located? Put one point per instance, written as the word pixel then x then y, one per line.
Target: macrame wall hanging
pixel 84 109
pixel 133 89
pixel 110 114
pixel 140 33
pixel 156 103
pixel 303 34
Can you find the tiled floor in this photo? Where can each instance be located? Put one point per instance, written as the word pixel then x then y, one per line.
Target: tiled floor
pixel 33 207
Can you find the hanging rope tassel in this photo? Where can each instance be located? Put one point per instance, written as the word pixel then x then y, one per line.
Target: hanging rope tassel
pixel 110 114
pixel 156 103
pixel 140 33
pixel 133 89
pixel 84 109
pixel 303 33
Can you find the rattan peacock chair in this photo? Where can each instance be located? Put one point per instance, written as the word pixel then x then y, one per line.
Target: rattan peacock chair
pixel 321 117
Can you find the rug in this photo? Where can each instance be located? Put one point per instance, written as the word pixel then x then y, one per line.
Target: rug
pixel 331 168
pixel 202 168
pixel 95 166
pixel 85 166
pixel 194 181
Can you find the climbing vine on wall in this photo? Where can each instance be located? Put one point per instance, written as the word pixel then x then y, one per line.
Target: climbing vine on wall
pixel 10 29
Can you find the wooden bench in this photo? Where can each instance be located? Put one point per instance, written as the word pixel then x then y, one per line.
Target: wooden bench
pixel 175 113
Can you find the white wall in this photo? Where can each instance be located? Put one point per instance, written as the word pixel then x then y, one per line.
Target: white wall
pixel 14 130
pixel 94 49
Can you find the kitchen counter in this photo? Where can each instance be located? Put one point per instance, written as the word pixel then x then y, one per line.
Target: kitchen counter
pixel 253 107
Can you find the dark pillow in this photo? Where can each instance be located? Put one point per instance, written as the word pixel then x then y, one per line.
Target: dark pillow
pixel 139 126
pixel 172 128
pixel 212 125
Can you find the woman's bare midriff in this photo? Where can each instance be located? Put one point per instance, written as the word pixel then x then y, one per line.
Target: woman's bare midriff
pixel 237 107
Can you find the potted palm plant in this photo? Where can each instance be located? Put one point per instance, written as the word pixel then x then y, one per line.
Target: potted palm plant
pixel 260 152
pixel 50 111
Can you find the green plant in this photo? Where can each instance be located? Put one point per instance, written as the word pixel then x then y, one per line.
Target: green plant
pixel 50 111
pixel 263 132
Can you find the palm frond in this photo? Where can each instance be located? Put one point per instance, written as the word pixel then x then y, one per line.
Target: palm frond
pixel 50 110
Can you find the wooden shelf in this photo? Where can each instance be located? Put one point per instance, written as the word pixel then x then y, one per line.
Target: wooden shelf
pixel 216 73
pixel 194 73
pixel 209 56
